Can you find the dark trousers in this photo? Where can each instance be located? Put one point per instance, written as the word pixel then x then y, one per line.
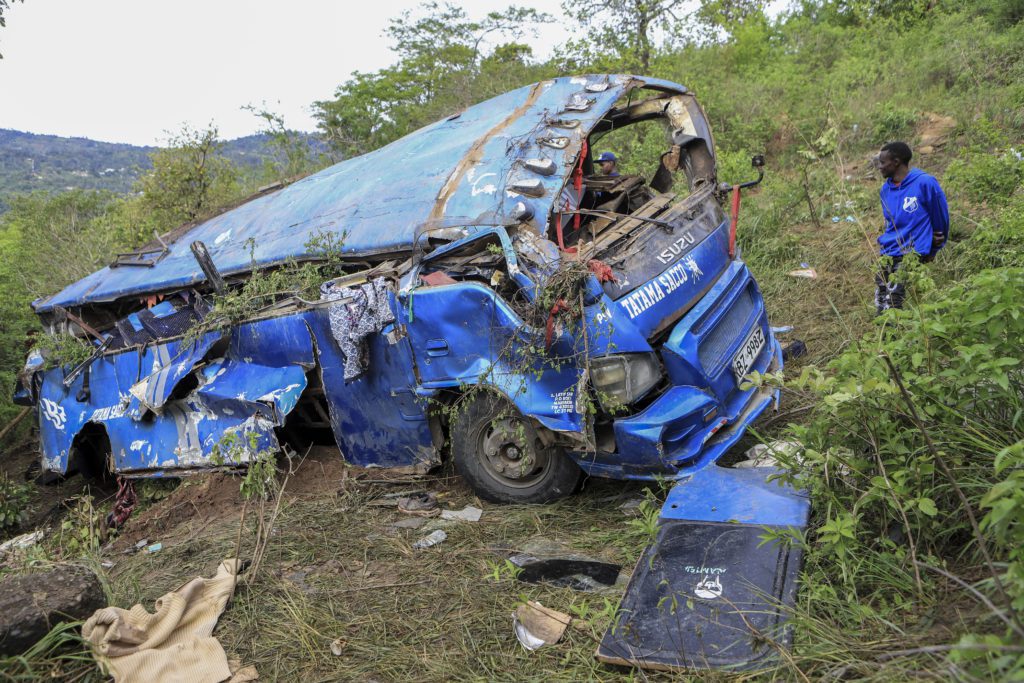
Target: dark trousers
pixel 888 294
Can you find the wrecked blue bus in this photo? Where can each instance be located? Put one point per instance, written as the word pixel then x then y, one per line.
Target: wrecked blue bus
pixel 443 338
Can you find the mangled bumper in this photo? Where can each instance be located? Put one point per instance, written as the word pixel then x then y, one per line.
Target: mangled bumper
pixel 704 411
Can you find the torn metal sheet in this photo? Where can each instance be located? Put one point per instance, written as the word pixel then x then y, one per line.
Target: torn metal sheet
pixel 713 590
pixel 170 363
pixel 233 405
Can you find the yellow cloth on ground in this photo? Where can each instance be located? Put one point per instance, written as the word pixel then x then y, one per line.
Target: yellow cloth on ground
pixel 175 643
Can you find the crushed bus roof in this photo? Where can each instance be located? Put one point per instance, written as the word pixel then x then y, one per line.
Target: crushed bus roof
pixel 468 170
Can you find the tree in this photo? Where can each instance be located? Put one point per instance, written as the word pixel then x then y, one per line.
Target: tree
pixel 716 17
pixel 441 55
pixel 4 6
pixel 188 179
pixel 291 153
pixel 628 26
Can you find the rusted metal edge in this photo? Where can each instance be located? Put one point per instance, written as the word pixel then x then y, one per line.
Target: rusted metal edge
pixel 474 154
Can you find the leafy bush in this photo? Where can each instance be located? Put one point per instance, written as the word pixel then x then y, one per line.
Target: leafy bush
pixel 989 178
pixel 893 122
pixel 996 242
pixel 915 448
pixel 13 502
pixel 81 530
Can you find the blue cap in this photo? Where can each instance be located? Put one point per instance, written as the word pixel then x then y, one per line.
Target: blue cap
pixel 606 156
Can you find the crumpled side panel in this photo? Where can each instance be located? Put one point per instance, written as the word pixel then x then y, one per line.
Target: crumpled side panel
pixel 170 363
pixel 232 385
pixel 472 329
pixel 238 401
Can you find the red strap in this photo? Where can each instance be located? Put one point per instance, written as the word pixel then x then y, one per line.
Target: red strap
pixel 577 183
pixel 124 503
pixel 559 306
pixel 602 270
pixel 734 220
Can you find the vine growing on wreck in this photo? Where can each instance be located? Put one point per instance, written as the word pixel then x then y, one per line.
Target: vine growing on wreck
pixel 299 281
pixel 529 352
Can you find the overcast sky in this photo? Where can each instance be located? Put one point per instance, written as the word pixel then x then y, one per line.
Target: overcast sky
pixel 132 70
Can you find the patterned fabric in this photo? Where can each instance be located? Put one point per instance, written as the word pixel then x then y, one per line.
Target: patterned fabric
pixel 361 312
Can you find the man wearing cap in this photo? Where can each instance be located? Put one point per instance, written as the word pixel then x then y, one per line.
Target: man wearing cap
pixel 916 219
pixel 609 165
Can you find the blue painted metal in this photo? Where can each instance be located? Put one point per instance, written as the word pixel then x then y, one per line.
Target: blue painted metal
pixel 236 402
pixel 457 172
pixel 746 496
pixel 377 419
pixel 173 405
pixel 489 344
pixel 248 392
pixel 170 363
pixel 674 435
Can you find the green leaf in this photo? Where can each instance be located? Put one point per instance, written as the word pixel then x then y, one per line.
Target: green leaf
pixel 927 506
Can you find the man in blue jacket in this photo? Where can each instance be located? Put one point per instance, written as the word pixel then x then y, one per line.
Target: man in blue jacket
pixel 916 219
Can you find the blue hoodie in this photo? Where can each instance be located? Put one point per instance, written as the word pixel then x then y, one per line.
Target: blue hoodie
pixel 913 210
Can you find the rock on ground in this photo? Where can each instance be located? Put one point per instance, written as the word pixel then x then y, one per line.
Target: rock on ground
pixel 32 604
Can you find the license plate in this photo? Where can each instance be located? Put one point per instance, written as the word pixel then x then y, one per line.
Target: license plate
pixel 748 352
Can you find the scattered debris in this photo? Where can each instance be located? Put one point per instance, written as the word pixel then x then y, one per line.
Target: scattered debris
pixel 431 539
pixel 808 273
pixel 632 505
pixel 155 548
pixel 794 349
pixel 423 504
pixel 710 592
pixel 567 572
pixel 124 503
pixel 338 647
pixel 32 603
pixel 766 454
pixel 782 330
pixel 22 542
pixel 410 523
pixel 142 544
pixel 536 625
pixel 466 514
pixel 176 640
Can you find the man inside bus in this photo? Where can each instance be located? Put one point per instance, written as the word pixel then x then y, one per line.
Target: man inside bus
pixel 608 163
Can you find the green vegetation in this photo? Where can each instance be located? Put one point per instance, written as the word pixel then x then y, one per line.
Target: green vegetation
pixel 912 422
pixel 31 162
pixel 13 501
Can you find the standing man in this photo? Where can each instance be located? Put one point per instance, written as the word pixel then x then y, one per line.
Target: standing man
pixel 609 165
pixel 916 219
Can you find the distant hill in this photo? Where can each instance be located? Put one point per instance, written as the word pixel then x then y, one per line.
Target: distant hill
pixel 30 162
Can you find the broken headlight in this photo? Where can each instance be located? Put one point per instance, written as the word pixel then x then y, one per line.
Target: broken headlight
pixel 622 379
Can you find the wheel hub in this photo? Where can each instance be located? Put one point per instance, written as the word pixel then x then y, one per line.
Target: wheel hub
pixel 507 453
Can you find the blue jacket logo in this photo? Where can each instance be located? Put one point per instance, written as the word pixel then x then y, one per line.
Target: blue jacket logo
pixel 910 204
